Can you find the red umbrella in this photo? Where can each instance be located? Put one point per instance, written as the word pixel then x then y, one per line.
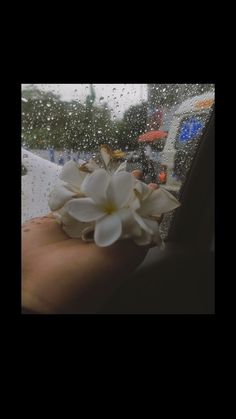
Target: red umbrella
pixel 151 136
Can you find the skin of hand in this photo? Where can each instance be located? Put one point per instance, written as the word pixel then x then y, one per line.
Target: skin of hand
pixel 61 275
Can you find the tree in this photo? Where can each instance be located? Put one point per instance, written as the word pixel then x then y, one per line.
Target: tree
pixel 38 114
pixel 47 121
pixel 132 125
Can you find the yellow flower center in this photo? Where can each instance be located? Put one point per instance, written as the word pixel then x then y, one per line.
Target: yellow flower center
pixel 109 207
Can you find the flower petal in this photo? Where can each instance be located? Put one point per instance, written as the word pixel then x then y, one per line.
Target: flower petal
pixel 144 239
pixel 95 185
pixel 134 203
pixel 88 233
pixel 158 202
pixel 142 189
pixel 121 167
pixel 107 230
pixel 59 196
pixel 89 167
pixel 153 225
pixel 84 209
pixel 106 154
pixel 92 165
pixel 71 174
pixel 73 228
pixel 147 238
pixel 120 188
pixel 130 227
pixel 141 222
pixel 125 215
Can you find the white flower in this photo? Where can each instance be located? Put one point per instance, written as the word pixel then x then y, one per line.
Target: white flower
pixel 68 185
pixel 153 203
pixel 106 204
pixel 72 227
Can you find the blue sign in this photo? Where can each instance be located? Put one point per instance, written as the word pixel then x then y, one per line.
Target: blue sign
pixel 190 129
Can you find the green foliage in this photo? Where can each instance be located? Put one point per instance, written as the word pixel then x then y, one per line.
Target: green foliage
pixel 133 124
pixel 47 121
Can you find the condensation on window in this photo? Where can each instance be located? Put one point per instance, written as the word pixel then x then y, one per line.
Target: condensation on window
pixel 157 126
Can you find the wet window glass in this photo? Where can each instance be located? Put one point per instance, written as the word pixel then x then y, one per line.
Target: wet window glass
pixel 156 127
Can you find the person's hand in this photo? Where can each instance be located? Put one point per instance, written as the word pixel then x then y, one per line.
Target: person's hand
pixel 65 275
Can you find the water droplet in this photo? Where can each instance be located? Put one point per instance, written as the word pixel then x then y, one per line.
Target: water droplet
pixel 49 105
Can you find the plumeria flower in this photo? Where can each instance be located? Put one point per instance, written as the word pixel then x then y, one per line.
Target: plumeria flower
pixel 73 228
pixel 68 185
pixel 107 204
pixel 73 174
pixel 153 203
